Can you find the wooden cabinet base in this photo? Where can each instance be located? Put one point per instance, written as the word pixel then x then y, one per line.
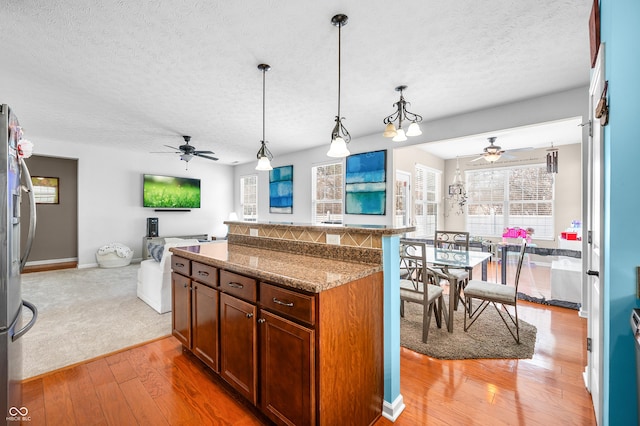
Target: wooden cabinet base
pixel 301 358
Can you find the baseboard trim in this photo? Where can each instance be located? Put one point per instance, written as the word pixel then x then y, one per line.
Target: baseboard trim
pixel 391 411
pixel 49 267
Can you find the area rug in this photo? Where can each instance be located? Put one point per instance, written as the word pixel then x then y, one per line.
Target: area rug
pixel 487 338
pixel 85 313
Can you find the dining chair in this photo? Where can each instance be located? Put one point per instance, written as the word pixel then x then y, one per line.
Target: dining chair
pixel 454 240
pixel 492 294
pixel 418 284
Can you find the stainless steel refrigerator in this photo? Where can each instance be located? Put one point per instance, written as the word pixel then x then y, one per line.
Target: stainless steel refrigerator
pixel 15 182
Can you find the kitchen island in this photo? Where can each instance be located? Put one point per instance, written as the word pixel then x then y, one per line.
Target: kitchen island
pixel 299 337
pixel 294 325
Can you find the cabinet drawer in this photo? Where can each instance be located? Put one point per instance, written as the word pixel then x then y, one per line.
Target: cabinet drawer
pixel 238 285
pixel 290 303
pixel 205 274
pixel 181 265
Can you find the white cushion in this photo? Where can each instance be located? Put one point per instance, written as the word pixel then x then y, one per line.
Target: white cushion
pixel 495 292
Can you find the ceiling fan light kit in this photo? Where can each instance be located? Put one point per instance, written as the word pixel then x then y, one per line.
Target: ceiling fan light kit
pixel 340 137
pixel 401 114
pixel 264 156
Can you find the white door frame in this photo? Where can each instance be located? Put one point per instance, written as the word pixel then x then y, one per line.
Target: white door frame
pixel 594 261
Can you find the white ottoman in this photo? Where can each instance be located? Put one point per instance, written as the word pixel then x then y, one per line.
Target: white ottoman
pixel 114 255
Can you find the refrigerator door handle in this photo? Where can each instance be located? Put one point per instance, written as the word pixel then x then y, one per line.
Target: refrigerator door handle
pixel 31 323
pixel 32 219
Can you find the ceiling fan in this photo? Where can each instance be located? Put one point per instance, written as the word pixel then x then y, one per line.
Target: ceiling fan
pixel 492 153
pixel 187 152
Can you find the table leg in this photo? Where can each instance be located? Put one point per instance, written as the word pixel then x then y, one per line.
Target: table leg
pixel 453 295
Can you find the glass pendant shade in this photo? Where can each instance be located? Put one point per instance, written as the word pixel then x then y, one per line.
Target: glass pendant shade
pixel 414 130
pixel 400 136
pixel 492 157
pixel 264 164
pixel 338 148
pixel 389 131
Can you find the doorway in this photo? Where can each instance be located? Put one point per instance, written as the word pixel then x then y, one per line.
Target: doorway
pixel 56 238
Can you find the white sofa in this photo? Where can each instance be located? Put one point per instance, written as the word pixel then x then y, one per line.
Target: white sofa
pixel 154 277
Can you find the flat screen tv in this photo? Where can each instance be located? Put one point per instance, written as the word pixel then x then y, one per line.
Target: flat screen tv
pixel 169 192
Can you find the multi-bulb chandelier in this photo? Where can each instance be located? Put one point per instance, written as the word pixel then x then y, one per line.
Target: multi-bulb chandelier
pixel 264 155
pixel 340 137
pixel 400 115
pixel 457 197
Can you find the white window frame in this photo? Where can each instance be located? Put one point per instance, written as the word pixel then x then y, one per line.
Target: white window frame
pixel 429 200
pixel 315 218
pixel 243 188
pixel 542 225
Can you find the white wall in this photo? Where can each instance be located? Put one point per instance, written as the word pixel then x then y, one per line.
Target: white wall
pixel 110 196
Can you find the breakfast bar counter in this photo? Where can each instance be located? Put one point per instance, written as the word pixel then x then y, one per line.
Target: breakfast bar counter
pixel 303 272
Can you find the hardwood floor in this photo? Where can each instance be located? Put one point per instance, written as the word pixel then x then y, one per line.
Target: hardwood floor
pixel 159 384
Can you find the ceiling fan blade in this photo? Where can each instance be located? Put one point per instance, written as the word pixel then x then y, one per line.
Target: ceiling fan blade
pixel 162 152
pixel 520 149
pixel 203 152
pixel 477 158
pixel 172 147
pixel 206 156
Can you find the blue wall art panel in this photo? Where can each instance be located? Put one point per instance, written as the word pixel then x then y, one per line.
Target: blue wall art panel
pixel 281 190
pixel 366 187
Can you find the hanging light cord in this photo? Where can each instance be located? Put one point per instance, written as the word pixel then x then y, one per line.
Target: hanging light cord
pixel 339 63
pixel 264 71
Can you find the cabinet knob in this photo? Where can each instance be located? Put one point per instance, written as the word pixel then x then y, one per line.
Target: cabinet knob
pixel 184 285
pixel 249 315
pixel 261 320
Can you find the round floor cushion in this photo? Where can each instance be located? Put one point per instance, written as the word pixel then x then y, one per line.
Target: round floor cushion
pixel 114 255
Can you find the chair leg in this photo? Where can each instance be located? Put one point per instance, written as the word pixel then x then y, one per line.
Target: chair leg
pixel 438 311
pixel 402 308
pixel 426 321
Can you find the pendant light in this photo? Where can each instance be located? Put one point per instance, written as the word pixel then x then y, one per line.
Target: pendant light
pixel 264 155
pixel 400 115
pixel 340 137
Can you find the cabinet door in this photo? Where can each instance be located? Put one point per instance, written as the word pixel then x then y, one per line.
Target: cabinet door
pixel 238 345
pixel 205 324
pixel 181 308
pixel 287 391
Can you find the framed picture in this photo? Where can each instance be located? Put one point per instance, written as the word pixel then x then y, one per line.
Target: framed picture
pixel 366 183
pixel 281 190
pixel 46 190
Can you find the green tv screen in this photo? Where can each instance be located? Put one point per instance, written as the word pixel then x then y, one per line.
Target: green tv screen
pixel 168 192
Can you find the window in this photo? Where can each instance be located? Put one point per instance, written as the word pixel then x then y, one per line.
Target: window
pixel 45 189
pixel 427 200
pixel 510 197
pixel 327 192
pixel 249 197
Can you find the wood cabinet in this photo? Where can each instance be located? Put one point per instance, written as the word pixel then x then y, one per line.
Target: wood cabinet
pixel 195 309
pixel 287 358
pixel 239 345
pixel 302 358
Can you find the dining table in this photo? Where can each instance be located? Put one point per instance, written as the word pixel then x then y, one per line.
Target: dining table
pixel 459 259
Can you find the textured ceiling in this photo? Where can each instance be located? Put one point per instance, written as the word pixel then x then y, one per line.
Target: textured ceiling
pixel 138 75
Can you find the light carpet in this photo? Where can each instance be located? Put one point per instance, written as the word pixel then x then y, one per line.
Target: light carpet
pixel 85 313
pixel 488 337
